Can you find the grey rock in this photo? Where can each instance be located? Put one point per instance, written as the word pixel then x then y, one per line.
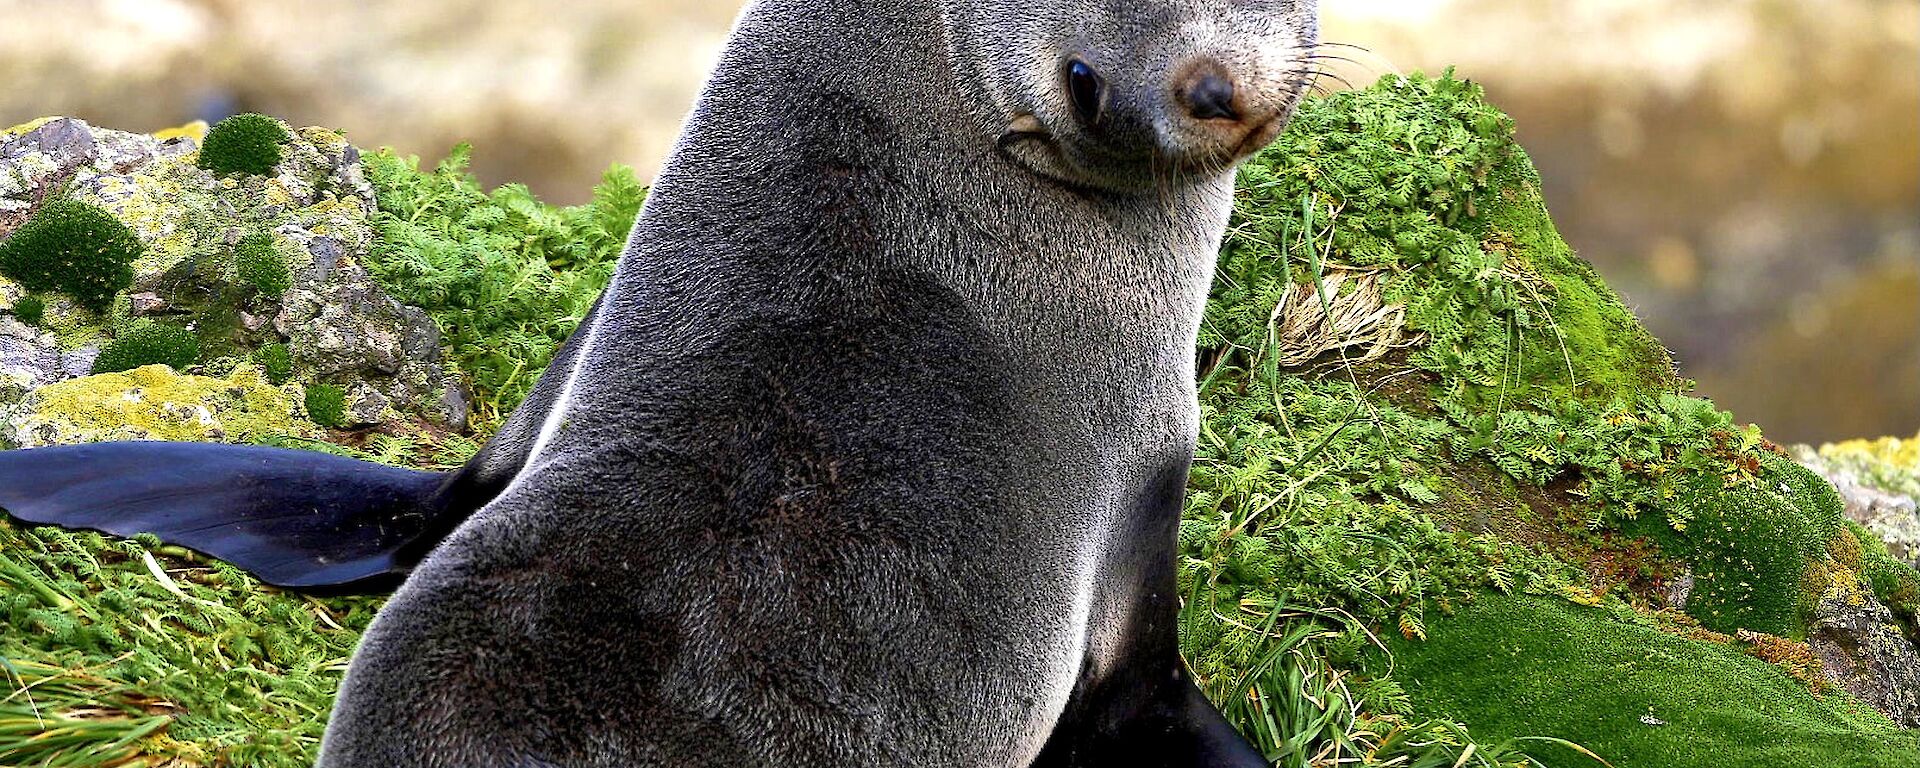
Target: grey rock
pixel 344 329
pixel 146 303
pixel 366 405
pixel 1892 517
pixel 1862 650
pixel 1676 591
pixel 78 362
pixel 29 358
pixel 37 162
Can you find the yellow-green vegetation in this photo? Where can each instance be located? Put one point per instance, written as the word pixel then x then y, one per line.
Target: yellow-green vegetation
pixel 74 248
pixel 145 342
pixel 126 653
pixel 245 143
pixel 1429 431
pixel 1515 665
pixel 156 403
pixel 1891 464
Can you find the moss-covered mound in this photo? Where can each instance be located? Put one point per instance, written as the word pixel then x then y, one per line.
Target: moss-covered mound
pixel 1451 504
pixel 1418 399
pixel 75 248
pixel 1515 666
pixel 246 143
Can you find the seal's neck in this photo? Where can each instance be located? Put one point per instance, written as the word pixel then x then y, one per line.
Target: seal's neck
pixel 833 143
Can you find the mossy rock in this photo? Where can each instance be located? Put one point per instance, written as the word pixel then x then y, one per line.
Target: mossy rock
pixel 155 403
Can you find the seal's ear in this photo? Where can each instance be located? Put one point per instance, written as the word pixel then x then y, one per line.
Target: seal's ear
pixel 293 518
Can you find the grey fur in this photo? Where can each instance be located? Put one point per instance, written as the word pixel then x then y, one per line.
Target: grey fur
pixel 871 454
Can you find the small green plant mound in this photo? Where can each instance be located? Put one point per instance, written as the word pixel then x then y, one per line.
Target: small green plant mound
pixel 276 361
pixel 74 248
pixel 1513 666
pixel 506 277
pixel 149 343
pixel 259 264
pixel 244 143
pixel 31 310
pixel 1753 547
pixel 327 405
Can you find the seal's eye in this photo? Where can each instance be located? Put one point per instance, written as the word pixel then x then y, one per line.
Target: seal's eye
pixel 1084 85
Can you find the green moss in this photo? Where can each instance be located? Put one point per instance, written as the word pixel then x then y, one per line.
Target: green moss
pixel 148 343
pixel 327 405
pixel 244 143
pixel 1754 546
pixel 74 248
pixel 31 310
pixel 258 263
pixel 1522 666
pixel 276 361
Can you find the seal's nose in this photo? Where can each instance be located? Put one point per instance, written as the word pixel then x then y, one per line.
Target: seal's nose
pixel 1212 113
pixel 1210 97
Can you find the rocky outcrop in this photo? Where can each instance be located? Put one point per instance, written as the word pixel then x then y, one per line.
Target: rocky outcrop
pixel 340 327
pixel 1862 650
pixel 1872 501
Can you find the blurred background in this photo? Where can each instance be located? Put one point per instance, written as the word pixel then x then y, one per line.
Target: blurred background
pixel 1747 172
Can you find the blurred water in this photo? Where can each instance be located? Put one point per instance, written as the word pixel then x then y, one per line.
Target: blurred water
pixel 1747 172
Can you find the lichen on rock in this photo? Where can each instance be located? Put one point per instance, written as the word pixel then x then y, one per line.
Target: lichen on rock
pixel 155 403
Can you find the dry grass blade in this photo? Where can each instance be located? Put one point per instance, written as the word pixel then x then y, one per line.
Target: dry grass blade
pixel 1355 318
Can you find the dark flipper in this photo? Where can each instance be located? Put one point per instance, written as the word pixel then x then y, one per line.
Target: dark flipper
pixel 1153 721
pixel 294 518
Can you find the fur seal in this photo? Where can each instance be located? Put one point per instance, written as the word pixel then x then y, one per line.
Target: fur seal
pixel 872 452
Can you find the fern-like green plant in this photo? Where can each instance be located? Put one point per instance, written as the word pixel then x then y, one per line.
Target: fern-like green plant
pixel 506 277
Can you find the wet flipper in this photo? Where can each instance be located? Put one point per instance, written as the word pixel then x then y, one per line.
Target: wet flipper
pixel 296 519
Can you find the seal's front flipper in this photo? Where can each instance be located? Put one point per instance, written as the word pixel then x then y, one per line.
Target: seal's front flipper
pixel 294 518
pixel 1213 742
pixel 1147 721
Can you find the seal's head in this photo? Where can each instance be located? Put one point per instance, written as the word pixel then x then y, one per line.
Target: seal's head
pixel 1132 94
